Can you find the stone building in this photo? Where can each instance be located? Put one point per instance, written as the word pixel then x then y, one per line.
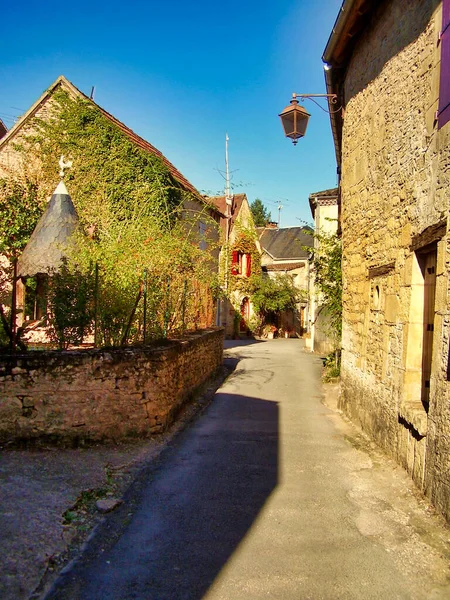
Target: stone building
pixel 324 210
pixel 15 164
pixel 389 64
pixel 239 259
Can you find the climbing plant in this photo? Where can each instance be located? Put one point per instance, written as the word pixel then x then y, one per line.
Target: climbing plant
pixel 245 243
pixel 111 174
pixel 19 213
pixel 327 264
pixel 130 208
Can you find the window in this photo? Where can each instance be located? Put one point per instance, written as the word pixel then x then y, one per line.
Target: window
pixel 444 86
pixel 241 264
pixel 202 233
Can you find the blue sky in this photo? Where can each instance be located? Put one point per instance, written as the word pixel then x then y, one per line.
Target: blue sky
pixel 182 74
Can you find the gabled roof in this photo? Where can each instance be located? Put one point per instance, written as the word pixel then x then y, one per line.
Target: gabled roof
pixel 136 139
pixel 49 240
pixel 221 205
pixel 289 243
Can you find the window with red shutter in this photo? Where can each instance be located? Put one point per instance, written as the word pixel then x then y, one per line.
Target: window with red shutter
pixel 235 262
pixel 249 265
pixel 444 86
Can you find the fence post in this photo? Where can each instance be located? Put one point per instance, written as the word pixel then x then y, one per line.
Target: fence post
pixel 145 304
pixel 95 304
pixel 14 307
pixel 167 311
pixel 184 306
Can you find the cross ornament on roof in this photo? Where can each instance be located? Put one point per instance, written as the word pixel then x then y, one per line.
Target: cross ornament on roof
pixel 64 165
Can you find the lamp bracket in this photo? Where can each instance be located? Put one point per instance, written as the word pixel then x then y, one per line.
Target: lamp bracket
pixel 332 98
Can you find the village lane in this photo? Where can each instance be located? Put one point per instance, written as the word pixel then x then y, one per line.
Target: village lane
pixel 269 493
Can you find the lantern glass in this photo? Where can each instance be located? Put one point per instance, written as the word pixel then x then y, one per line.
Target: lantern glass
pixel 294 119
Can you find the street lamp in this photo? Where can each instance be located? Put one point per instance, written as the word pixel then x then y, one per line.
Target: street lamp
pixel 294 117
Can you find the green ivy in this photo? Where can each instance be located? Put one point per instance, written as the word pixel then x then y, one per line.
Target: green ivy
pixel 129 206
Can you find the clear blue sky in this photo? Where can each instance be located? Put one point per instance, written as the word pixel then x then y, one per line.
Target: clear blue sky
pixel 182 74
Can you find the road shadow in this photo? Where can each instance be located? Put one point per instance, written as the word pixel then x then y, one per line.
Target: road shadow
pixel 185 516
pixel 241 342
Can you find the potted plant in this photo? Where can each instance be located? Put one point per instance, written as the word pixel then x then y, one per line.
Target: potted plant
pixel 269 331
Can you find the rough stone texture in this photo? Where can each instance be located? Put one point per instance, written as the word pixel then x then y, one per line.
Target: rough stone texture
pixel 100 395
pixel 395 181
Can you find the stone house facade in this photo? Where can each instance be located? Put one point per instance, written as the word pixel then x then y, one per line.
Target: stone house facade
pixel 324 210
pixel 239 260
pixel 389 64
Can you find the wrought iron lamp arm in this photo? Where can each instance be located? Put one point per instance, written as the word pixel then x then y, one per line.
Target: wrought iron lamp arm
pixel 332 97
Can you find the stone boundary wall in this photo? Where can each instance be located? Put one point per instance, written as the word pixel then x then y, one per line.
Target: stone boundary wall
pixel 94 395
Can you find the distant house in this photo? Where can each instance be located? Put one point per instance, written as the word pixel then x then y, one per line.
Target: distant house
pixel 389 64
pixel 287 250
pixel 239 260
pixel 324 210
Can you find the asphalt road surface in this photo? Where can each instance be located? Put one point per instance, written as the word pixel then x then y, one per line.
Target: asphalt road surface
pixel 268 494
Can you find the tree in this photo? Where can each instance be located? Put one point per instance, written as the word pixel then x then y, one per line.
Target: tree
pixel 273 295
pixel 261 215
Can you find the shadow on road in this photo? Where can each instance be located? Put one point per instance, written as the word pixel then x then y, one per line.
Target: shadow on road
pixel 192 511
pixel 241 342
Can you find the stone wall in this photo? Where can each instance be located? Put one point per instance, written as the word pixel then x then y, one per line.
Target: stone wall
pixel 395 182
pixel 103 395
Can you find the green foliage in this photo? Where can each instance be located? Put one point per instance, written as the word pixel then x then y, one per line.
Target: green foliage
pixel 111 175
pixel 332 364
pixel 19 214
pixel 261 215
pixel 328 279
pixel 245 243
pixel 71 297
pixel 131 205
pixel 275 294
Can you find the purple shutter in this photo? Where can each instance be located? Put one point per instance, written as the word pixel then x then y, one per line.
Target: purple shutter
pixel 444 86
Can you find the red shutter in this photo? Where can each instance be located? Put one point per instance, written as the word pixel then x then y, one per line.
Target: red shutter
pixel 235 263
pixel 249 265
pixel 444 86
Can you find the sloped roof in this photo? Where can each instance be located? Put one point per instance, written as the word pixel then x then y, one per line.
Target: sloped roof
pixel 284 266
pixel 288 243
pixel 324 198
pixel 134 137
pixel 220 203
pixel 3 129
pixel 49 240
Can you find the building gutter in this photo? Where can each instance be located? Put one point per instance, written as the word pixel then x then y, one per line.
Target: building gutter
pixel 341 21
pixel 330 62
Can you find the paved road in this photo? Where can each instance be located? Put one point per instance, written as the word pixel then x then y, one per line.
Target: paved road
pixel 264 496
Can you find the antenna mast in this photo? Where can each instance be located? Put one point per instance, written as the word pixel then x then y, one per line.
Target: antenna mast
pixel 228 199
pixel 279 212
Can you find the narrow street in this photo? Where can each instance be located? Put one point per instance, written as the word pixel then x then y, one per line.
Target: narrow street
pixel 268 494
